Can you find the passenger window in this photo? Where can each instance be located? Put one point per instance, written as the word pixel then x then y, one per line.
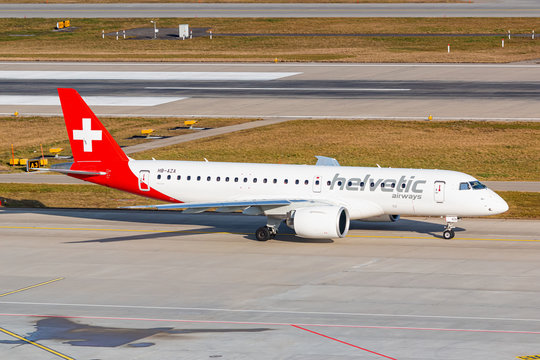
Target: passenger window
pixel 159 177
pixel 382 185
pixel 235 179
pixel 274 181
pixel 297 182
pixel 362 184
pixel 168 177
pixel 328 183
pixel 307 182
pixel 372 184
pixel 245 179
pixel 208 178
pixel 189 177
pixel 403 186
pixel 393 185
pixel 265 180
pixel 464 186
pixel 227 179
pixel 178 177
pixel 198 178
pixel 254 180
pixel 218 178
pixel 349 183
pixel 317 182
pixel 339 183
pixel 286 181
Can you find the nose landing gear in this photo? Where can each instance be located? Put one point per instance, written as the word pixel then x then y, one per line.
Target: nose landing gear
pixel 448 233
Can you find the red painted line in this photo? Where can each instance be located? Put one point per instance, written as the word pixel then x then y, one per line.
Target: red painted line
pixel 280 324
pixel 343 342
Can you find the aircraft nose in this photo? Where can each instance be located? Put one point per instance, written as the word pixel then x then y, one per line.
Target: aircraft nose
pixel 498 205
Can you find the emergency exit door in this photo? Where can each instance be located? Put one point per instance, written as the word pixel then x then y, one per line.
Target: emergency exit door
pixel 317 184
pixel 439 191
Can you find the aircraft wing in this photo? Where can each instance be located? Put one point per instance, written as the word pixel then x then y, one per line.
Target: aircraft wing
pixel 229 206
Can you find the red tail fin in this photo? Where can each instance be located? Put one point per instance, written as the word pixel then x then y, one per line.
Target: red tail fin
pixel 90 141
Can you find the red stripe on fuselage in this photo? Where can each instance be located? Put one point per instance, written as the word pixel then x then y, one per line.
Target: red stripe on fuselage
pixel 119 176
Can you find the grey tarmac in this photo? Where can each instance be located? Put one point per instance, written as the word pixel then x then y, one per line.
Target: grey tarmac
pixel 315 91
pixel 94 284
pixel 489 8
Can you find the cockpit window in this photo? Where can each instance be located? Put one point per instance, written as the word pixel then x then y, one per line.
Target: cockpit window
pixel 477 185
pixel 464 186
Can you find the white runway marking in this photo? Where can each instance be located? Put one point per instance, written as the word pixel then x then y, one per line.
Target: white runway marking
pixel 287 312
pixel 268 88
pixel 90 100
pixel 145 75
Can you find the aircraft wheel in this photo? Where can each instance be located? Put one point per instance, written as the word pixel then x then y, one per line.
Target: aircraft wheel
pixel 448 234
pixel 263 233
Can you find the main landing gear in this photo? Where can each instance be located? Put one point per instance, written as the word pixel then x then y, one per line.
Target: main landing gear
pixel 269 231
pixel 448 233
pixel 265 233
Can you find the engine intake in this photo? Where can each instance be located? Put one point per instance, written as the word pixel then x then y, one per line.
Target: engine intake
pixel 319 222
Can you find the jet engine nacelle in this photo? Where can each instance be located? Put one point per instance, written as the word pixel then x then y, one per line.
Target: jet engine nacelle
pixel 382 218
pixel 319 222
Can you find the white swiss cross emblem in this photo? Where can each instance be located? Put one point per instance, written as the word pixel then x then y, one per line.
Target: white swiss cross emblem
pixel 87 135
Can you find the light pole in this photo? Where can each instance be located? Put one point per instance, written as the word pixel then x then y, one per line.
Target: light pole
pixel 155 23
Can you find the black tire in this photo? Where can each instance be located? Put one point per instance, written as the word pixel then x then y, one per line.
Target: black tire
pixel 448 234
pixel 263 233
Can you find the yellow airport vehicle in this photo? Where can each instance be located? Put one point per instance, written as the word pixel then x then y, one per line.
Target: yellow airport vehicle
pixel 55 151
pixel 147 132
pixel 190 123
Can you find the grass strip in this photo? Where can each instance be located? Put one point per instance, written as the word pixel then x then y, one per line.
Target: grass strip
pixel 34 39
pixel 486 150
pixel 523 205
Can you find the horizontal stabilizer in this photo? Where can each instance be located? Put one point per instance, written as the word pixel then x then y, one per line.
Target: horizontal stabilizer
pixel 74 172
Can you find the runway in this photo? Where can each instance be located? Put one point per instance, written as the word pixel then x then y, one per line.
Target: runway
pixel 349 91
pixel 129 284
pixel 504 8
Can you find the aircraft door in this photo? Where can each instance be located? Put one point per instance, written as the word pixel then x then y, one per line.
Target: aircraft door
pixel 317 184
pixel 439 191
pixel 144 180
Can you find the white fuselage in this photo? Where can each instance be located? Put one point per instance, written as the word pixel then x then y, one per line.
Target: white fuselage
pixel 365 191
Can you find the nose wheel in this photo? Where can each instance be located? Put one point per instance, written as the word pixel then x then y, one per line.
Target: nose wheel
pixel 448 232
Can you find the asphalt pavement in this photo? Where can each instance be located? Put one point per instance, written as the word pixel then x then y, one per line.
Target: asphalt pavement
pixel 501 8
pixel 90 284
pixel 350 91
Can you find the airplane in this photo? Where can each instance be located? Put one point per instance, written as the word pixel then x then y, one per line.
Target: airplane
pixel 316 201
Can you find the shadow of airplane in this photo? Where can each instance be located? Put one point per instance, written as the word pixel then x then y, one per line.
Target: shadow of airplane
pixel 213 222
pixel 76 334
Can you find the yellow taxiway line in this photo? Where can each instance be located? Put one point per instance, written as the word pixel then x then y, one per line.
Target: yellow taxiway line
pixel 36 344
pixel 32 286
pixel 238 233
